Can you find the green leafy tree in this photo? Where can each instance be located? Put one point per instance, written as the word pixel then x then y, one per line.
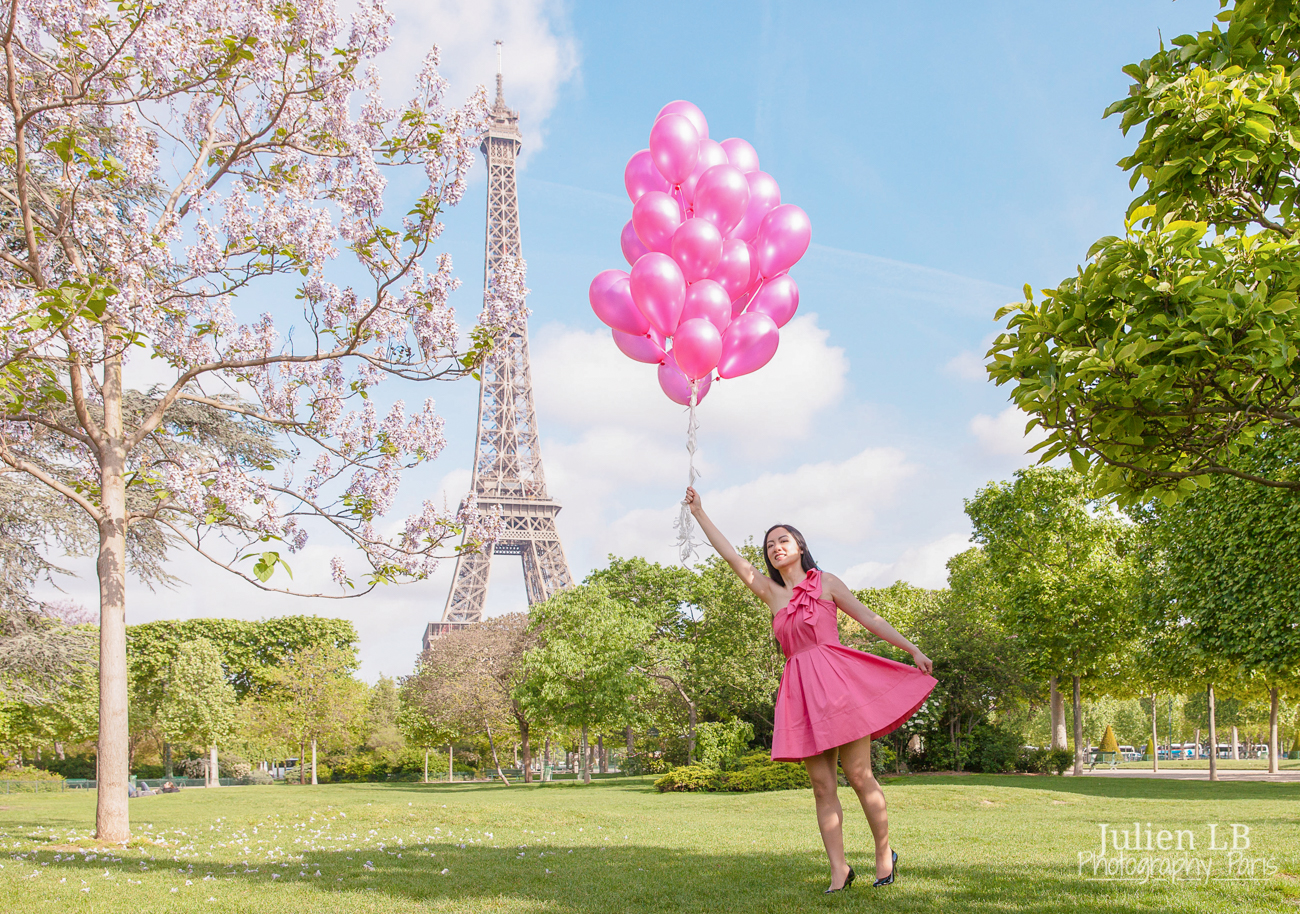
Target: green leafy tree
pixel 385 736
pixel 321 705
pixel 1179 343
pixel 199 704
pixel 584 668
pixel 1066 571
pixel 1232 555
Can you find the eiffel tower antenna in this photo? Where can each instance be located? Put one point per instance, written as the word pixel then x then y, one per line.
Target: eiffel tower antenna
pixel 508 476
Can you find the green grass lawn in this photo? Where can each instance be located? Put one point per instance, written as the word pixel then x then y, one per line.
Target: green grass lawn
pixel 975 843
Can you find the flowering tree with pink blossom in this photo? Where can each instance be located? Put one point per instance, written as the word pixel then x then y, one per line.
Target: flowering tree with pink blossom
pixel 162 162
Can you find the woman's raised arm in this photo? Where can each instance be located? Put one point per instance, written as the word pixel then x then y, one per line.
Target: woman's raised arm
pixel 755 580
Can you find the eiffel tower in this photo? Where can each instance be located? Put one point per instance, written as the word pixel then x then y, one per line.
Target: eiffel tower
pixel 508 477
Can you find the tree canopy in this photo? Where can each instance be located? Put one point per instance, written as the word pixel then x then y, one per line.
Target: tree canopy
pixel 1175 346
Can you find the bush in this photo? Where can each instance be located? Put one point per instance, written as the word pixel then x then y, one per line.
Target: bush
pixel 150 772
pixel 688 777
pixel 768 776
pixel 1060 760
pixel 994 749
pixel 74 766
pixel 28 774
pixel 644 763
pixel 1033 761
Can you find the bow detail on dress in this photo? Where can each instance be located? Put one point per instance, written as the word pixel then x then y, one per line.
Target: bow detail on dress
pixel 802 600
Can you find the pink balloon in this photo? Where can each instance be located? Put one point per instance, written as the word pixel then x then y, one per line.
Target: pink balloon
pixel 688 111
pixel 711 153
pixel 741 154
pixel 721 196
pixel 675 147
pixel 696 346
pixel 631 244
pixel 640 176
pixel 659 291
pixel 641 348
pixel 764 196
pixel 697 248
pixel 783 237
pixel 654 219
pixel 778 299
pixel 748 345
pixel 707 299
pixel 738 306
pixel 676 385
pixel 734 269
pixel 611 298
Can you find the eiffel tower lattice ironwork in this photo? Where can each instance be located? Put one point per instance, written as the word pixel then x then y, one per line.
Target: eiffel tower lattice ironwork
pixel 508 476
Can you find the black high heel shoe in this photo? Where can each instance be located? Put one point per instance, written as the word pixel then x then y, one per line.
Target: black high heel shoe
pixel 888 880
pixel 848 881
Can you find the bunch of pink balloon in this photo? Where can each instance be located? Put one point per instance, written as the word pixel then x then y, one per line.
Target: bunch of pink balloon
pixel 710 245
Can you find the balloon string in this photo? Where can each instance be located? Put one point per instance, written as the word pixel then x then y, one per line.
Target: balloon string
pixel 686 545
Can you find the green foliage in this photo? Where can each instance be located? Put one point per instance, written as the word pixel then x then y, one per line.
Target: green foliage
pixel 688 777
pixel 583 670
pixel 1175 346
pixel 767 775
pixel 1108 741
pixel 199 704
pixel 720 744
pixel 1230 563
pixel 1064 569
pixel 28 774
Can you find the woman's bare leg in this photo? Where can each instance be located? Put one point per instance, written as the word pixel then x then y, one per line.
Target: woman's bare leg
pixel 830 815
pixel 855 757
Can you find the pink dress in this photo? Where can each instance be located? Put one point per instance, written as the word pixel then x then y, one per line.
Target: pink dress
pixel 831 694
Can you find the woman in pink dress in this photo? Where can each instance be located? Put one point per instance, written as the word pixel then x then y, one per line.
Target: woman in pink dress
pixel 832 699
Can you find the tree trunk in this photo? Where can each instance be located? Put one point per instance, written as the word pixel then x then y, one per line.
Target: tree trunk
pixel 58 750
pixel 586 760
pixel 690 736
pixel 1155 736
pixel 451 768
pixel 1236 753
pixel 426 766
pixel 302 766
pixel 1214 737
pixel 213 770
pixel 601 754
pixel 1078 730
pixel 1272 732
pixel 313 762
pixel 1058 717
pixel 112 817
pixel 528 752
pixel 546 754
pixel 631 743
pixel 167 760
pixel 1196 743
pixel 495 761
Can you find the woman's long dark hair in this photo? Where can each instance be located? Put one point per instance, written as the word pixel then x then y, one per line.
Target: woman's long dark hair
pixel 805 557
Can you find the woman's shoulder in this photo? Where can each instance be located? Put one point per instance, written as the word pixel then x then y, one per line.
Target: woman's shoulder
pixel 830 583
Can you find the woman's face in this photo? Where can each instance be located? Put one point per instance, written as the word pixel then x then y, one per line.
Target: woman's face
pixel 782 548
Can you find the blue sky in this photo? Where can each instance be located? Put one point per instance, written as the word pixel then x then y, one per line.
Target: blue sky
pixel 947 153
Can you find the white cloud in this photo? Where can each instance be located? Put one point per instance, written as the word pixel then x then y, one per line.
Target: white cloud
pixel 967 366
pixel 539 54
pixel 582 381
pixel 1004 434
pixel 922 566
pixel 833 501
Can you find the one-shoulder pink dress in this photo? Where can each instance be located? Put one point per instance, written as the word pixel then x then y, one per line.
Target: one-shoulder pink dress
pixel 831 694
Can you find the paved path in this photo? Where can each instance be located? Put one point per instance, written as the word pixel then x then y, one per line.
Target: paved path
pixel 1287 776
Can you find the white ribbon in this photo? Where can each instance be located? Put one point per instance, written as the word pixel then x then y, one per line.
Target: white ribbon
pixel 684 524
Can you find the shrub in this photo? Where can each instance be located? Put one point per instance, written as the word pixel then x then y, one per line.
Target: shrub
pixel 769 775
pixel 151 772
pixel 28 774
pixel 994 749
pixel 688 777
pixel 74 766
pixel 645 763
pixel 1059 760
pixel 1108 741
pixel 1033 761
